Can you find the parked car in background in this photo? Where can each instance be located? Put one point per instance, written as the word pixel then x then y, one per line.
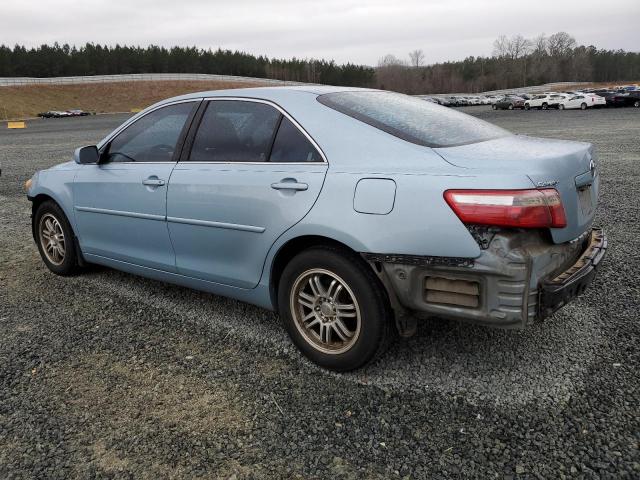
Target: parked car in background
pixel 285 197
pixel 593 100
pixel 78 113
pixel 62 114
pixel 630 98
pixel 543 101
pixel 508 102
pixel 453 101
pixel 54 114
pixel 576 101
pixel 612 98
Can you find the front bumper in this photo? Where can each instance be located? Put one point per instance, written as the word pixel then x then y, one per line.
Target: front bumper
pixel 520 277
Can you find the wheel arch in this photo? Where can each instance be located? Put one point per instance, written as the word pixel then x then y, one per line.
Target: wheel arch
pixel 290 249
pixel 38 200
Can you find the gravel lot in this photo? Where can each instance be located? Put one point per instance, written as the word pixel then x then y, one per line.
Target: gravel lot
pixel 107 375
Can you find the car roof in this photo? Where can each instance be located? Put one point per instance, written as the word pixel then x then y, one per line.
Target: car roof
pixel 268 93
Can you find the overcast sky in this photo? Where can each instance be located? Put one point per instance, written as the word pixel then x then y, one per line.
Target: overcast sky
pixel 344 30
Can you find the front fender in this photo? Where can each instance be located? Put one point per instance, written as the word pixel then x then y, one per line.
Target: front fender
pixel 57 185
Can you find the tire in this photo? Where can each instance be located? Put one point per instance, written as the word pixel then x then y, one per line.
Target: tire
pixel 583 106
pixel 545 106
pixel 560 107
pixel 55 239
pixel 358 332
pixel 494 106
pixel 636 103
pixel 510 107
pixel 527 106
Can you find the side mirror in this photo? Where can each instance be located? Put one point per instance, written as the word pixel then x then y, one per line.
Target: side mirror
pixel 88 155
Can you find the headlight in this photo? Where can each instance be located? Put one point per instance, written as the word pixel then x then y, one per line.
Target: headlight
pixel 27 185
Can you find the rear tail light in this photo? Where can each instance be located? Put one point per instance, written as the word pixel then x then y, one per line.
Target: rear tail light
pixel 508 208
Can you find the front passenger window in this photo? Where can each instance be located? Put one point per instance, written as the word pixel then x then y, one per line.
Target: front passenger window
pixel 153 138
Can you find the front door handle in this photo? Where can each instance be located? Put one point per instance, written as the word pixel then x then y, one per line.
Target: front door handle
pixel 289 184
pixel 153 182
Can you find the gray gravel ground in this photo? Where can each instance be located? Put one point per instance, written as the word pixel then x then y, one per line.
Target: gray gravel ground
pixel 107 375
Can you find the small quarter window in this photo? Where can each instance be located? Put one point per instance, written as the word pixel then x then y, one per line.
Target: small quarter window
pixel 292 146
pixel 152 138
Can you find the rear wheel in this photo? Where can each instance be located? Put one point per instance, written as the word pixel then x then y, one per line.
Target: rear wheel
pixel 583 106
pixel 636 103
pixel 54 238
pixel 561 107
pixel 527 106
pixel 334 308
pixel 545 106
pixel 494 106
pixel 510 107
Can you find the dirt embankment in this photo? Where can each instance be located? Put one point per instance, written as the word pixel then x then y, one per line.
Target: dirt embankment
pixel 27 101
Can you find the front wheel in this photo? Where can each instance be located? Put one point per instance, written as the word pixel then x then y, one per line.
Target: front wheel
pixel 334 308
pixel 510 107
pixel 54 238
pixel 583 106
pixel 561 107
pixel 494 106
pixel 527 106
pixel 636 103
pixel 545 106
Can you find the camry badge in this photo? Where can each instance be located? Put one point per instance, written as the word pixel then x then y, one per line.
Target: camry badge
pixel 548 183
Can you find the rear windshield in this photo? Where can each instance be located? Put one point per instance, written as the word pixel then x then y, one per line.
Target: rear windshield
pixel 412 119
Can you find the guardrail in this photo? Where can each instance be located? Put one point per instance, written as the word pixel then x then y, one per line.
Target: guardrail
pixel 138 77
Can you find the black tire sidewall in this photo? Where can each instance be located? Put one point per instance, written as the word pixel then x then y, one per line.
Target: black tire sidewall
pixel 70 263
pixel 371 298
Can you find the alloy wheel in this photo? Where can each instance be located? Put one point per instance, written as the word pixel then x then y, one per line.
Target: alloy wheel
pixel 52 239
pixel 325 311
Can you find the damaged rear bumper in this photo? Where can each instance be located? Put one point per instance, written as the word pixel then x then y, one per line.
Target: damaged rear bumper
pixel 519 277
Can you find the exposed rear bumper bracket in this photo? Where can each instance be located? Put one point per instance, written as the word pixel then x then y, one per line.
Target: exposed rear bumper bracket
pixel 572 282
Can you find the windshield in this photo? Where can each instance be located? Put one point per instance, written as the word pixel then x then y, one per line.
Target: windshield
pixel 412 119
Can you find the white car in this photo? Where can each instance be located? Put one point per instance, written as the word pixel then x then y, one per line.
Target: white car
pixel 577 101
pixel 543 101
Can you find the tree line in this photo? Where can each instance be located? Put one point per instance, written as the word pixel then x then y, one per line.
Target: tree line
pixel 90 59
pixel 516 61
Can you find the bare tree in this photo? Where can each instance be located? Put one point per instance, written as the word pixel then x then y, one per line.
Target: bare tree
pixel 390 60
pixel 501 47
pixel 518 47
pixel 560 44
pixel 540 45
pixel 417 58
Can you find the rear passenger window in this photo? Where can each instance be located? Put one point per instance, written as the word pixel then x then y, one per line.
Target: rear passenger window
pixel 292 146
pixel 235 131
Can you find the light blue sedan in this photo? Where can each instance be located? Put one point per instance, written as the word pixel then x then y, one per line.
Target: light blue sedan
pixel 351 212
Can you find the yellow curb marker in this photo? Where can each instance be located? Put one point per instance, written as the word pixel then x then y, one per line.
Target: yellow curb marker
pixel 136 110
pixel 16 125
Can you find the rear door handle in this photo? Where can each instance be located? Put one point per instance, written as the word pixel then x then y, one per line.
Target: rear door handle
pixel 153 182
pixel 289 185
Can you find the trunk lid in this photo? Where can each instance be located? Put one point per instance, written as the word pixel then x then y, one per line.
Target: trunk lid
pixel 570 167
